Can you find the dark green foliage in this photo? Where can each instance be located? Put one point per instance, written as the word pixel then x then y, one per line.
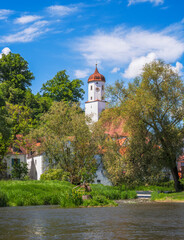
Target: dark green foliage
pixel 20 170
pixel 3 199
pixel 60 88
pixel 15 77
pixel 5 133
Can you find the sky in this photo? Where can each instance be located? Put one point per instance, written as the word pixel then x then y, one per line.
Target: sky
pixel 119 35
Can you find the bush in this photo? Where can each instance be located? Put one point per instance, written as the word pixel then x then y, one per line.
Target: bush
pixel 20 170
pixel 55 174
pixel 3 199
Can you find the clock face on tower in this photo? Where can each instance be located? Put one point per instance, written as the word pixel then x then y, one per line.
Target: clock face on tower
pixel 97 89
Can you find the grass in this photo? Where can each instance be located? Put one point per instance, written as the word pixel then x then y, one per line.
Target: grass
pixel 53 192
pixel 164 186
pixel 167 197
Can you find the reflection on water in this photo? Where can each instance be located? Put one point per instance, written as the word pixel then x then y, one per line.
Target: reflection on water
pixel 128 221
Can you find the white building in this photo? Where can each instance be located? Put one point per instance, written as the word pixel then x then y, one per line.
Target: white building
pixel 93 108
pixel 96 103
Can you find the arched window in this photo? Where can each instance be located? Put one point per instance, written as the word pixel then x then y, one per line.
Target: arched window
pixel 91 87
pixel 102 87
pixel 91 98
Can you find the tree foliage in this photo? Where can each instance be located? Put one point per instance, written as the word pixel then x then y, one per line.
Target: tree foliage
pixel 5 132
pixel 15 77
pixel 68 142
pixel 60 88
pixel 153 109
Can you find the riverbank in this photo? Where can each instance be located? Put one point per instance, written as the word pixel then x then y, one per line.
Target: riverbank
pixel 168 197
pixel 64 194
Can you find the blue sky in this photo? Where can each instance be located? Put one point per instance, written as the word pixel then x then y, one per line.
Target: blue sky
pixel 119 35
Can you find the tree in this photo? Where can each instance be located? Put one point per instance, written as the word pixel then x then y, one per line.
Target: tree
pixel 15 77
pixel 67 141
pixel 60 88
pixel 5 132
pixel 21 119
pixel 38 104
pixel 153 107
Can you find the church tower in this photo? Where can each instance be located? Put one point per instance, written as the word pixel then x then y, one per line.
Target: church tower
pixel 96 103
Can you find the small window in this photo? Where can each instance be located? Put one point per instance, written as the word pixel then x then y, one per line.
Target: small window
pixel 102 98
pixel 91 87
pixel 91 98
pixel 96 82
pixel 15 161
pixel 35 162
pixel 98 181
pixel 102 87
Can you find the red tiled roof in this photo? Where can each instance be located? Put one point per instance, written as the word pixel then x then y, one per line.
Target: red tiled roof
pixel 96 76
pixel 115 128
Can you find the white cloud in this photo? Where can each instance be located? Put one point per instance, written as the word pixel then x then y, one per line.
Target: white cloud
pixel 155 2
pixel 60 10
pixel 115 70
pixel 135 67
pixel 28 34
pixel 4 13
pixel 27 19
pixel 81 73
pixel 5 51
pixel 178 68
pixel 130 46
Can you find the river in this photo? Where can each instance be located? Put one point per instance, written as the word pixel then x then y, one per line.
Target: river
pixel 127 221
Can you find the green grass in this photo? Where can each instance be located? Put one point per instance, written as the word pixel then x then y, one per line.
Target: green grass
pixel 112 193
pixel 53 192
pixel 165 186
pixel 155 196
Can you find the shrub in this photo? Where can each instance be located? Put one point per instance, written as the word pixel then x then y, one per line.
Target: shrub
pixel 3 199
pixel 55 174
pixel 20 170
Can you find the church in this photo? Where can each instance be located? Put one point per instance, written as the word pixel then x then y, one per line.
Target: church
pixel 96 102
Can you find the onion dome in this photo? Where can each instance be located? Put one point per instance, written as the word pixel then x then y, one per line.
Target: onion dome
pixel 96 76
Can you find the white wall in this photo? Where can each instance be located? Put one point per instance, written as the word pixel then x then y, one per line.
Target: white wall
pixel 100 173
pixel 93 94
pixel 36 166
pixel 94 109
pixel 9 158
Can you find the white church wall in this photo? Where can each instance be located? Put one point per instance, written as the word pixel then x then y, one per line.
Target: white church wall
pixel 36 166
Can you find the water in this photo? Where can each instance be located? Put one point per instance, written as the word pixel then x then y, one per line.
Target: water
pixel 127 221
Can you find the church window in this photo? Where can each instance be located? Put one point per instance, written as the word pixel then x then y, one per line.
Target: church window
pixel 102 97
pixel 91 98
pixel 96 82
pixel 102 87
pixel 91 87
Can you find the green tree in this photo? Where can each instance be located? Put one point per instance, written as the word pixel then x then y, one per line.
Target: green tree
pixel 60 88
pixel 5 132
pixel 67 141
pixel 21 119
pixel 38 104
pixel 15 77
pixel 153 109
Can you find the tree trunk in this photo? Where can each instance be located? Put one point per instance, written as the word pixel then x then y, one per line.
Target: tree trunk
pixel 177 184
